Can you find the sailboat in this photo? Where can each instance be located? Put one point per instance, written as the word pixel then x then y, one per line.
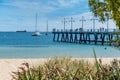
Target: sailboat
pixel 47 29
pixel 37 33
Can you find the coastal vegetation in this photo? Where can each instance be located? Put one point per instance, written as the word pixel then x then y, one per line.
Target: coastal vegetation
pixel 69 69
pixel 105 10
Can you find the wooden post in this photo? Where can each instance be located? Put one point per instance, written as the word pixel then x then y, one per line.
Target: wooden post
pixel 103 38
pixel 71 37
pixel 86 37
pixel 110 38
pixel 80 38
pixel 89 38
pixel 67 38
pixel 58 37
pixel 96 38
pixel 62 38
pixel 75 39
pixel 54 36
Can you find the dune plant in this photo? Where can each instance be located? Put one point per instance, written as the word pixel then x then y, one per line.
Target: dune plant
pixel 69 69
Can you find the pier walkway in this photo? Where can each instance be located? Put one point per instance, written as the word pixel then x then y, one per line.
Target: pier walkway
pixel 85 37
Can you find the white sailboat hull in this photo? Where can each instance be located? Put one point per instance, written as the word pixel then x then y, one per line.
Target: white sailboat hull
pixel 36 34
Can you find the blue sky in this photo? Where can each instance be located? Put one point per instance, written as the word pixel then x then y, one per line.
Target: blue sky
pixel 20 14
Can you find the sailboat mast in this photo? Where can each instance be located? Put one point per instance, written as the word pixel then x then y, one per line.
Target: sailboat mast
pixel 36 23
pixel 47 26
pixel 36 32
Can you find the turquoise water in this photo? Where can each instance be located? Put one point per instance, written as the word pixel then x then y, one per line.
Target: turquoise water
pixel 23 45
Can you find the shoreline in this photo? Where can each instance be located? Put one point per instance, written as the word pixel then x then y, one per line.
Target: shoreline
pixel 7 66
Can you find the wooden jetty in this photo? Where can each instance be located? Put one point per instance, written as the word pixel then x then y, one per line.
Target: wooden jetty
pixel 84 37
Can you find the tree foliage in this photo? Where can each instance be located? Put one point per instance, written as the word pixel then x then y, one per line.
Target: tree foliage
pixel 106 9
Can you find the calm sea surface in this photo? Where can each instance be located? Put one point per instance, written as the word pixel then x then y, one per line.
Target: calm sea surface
pixel 23 45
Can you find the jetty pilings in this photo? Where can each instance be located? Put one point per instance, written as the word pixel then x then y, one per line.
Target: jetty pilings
pixel 83 37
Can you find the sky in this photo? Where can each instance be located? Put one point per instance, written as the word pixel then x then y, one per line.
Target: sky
pixel 20 15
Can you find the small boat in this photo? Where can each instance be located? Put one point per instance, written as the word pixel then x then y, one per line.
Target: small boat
pixel 36 33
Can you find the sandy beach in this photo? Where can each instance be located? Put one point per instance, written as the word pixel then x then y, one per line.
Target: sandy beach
pixel 9 65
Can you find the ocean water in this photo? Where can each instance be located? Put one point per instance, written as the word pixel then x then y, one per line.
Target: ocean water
pixel 23 45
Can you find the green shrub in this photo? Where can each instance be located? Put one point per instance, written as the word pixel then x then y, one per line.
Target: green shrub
pixel 68 69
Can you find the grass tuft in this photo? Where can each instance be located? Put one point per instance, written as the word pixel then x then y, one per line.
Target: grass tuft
pixel 69 69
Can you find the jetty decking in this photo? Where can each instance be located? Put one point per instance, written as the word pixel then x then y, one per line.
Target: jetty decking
pixel 84 37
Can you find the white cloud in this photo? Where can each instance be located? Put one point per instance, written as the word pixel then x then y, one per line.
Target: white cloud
pixel 39 6
pixel 67 3
pixel 63 3
pixel 31 6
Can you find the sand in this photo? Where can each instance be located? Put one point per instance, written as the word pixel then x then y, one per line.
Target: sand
pixel 9 65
